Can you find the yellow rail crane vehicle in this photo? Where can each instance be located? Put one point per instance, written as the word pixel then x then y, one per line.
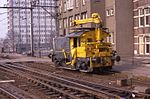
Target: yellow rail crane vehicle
pixel 88 47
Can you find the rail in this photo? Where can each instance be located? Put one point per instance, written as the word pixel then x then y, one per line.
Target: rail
pixel 8 94
pixel 66 84
pixel 102 90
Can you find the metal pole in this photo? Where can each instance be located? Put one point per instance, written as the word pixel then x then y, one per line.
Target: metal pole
pixel 33 4
pixel 13 41
pixel 57 21
pixel 31 30
pixel 6 81
pixel 39 44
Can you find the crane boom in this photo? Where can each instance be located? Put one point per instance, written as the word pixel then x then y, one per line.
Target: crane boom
pixel 94 19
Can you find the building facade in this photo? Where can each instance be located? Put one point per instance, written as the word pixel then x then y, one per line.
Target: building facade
pixel 44 27
pixel 119 20
pixel 141 27
pixel 77 9
pixel 113 13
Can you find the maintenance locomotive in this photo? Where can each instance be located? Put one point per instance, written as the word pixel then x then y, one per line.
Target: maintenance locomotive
pixel 85 49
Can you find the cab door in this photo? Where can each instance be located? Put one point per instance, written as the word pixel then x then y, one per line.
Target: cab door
pixel 75 42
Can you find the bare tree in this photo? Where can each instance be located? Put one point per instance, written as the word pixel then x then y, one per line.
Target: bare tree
pixel 9 42
pixel 1 44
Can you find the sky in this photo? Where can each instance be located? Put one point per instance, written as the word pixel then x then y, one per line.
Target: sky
pixel 3 20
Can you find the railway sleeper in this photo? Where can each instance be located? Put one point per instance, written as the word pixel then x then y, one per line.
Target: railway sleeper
pixel 56 89
pixel 55 94
pixel 48 91
pixel 8 95
pixel 42 89
pixel 81 95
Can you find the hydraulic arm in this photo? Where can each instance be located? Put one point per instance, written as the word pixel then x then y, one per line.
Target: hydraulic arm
pixel 95 18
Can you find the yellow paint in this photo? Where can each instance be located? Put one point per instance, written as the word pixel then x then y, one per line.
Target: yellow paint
pixel 65 55
pixel 74 55
pixel 81 52
pixel 92 43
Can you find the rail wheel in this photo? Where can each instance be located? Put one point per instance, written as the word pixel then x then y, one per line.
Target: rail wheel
pixel 85 67
pixel 147 91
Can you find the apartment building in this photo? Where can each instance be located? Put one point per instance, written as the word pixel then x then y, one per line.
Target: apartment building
pixel 141 27
pixel 117 15
pixel 44 27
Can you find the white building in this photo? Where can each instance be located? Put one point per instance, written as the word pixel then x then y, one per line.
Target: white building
pixel 44 27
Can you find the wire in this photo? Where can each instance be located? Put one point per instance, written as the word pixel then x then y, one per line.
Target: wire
pixel 3 13
pixel 52 15
pixel 3 19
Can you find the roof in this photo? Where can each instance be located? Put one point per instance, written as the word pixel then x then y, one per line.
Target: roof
pixel 75 34
pixel 84 28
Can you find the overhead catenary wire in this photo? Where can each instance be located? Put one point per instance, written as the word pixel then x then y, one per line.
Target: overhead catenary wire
pixel 3 19
pixel 3 13
pixel 33 6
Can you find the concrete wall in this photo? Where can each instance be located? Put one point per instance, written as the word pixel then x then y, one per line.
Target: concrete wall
pixel 124 27
pixel 98 6
pixel 111 20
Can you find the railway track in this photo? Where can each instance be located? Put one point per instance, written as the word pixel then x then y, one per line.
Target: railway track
pixel 59 87
pixel 12 92
pixel 74 87
pixel 7 94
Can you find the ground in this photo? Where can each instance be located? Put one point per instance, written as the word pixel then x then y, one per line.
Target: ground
pixel 140 66
pixel 124 69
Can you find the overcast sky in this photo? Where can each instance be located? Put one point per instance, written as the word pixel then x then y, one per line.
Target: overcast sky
pixel 3 20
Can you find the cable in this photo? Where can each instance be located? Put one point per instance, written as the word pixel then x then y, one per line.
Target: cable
pixel 3 13
pixel 3 19
pixel 51 14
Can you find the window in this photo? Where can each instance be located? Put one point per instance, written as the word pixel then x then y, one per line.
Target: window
pixel 77 17
pixel 146 20
pixel 77 3
pixel 112 12
pixel 65 22
pixel 70 20
pixel 147 39
pixel 141 45
pixel 141 11
pixel 60 6
pixel 65 6
pixel 74 42
pixel 111 38
pixel 108 13
pixel 147 48
pixel 83 2
pixel 147 45
pixel 84 15
pixel 141 21
pixel 147 10
pixel 144 17
pixel 69 4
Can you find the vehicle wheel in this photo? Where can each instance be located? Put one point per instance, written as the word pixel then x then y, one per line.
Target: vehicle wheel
pixel 147 91
pixel 56 62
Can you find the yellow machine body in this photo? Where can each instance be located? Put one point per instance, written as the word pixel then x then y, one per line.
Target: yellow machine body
pixel 89 48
